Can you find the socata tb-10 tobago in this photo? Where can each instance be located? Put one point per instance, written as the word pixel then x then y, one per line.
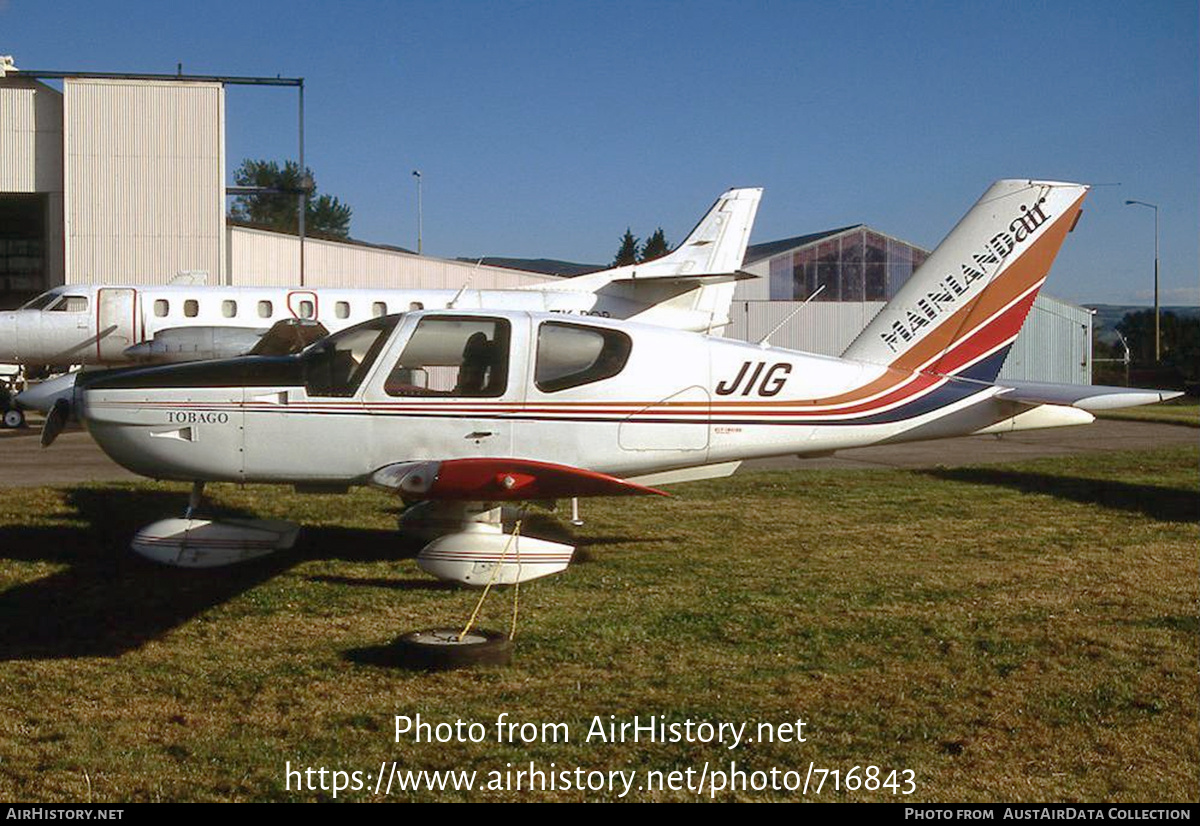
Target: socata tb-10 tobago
pixel 461 411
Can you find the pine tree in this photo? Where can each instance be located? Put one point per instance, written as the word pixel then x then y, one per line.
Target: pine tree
pixel 656 246
pixel 628 253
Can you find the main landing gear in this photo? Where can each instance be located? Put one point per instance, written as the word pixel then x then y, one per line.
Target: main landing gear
pixel 11 416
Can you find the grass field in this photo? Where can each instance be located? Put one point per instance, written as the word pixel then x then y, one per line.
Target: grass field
pixel 1010 633
pixel 1184 410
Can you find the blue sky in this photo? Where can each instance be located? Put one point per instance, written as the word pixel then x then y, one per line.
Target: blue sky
pixel 543 129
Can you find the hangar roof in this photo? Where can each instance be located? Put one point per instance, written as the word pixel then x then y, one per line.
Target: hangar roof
pixel 757 252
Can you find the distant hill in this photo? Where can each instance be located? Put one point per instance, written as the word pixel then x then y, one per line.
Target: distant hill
pixel 1108 316
pixel 546 266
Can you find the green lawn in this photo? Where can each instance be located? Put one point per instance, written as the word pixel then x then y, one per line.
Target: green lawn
pixel 1019 633
pixel 1184 410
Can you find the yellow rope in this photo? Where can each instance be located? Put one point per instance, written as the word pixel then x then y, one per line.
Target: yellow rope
pixel 475 614
pixel 512 632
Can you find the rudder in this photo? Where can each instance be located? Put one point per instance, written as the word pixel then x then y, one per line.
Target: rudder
pixel 961 310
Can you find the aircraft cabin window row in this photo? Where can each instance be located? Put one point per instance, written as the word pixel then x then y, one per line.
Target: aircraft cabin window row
pixel 57 302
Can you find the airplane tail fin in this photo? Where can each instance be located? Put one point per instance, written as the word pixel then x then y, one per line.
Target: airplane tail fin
pixel 961 310
pixel 716 245
pixel 692 286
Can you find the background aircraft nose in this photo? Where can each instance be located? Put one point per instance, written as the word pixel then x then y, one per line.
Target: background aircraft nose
pixel 9 347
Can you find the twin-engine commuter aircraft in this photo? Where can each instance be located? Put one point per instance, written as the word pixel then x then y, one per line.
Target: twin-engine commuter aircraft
pixel 689 289
pixel 463 410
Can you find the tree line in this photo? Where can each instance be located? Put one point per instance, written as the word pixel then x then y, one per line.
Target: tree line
pixel 632 251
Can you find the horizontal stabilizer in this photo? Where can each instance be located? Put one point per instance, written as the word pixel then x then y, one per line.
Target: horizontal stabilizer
pixel 1083 396
pixel 487 479
pixel 696 280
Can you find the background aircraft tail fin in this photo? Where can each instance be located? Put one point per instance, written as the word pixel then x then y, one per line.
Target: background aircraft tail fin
pixel 961 310
pixel 716 245
pixel 692 286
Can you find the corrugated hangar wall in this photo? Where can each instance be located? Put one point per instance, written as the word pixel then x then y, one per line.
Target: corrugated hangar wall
pixel 259 257
pixel 144 173
pixel 31 126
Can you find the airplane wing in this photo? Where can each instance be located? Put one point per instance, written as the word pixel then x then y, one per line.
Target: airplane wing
pixel 1082 396
pixel 179 344
pixel 488 479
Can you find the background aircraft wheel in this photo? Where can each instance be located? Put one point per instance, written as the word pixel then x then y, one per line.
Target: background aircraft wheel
pixel 14 418
pixel 440 648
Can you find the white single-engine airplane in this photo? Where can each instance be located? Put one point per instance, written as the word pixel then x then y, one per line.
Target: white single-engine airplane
pixel 463 410
pixel 689 289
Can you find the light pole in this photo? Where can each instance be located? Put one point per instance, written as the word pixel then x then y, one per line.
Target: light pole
pixel 1157 328
pixel 417 175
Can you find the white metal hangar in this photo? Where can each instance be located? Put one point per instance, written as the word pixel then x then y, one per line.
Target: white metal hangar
pixel 857 269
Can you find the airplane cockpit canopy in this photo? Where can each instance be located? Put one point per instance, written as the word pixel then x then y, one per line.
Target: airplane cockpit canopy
pixel 57 300
pixel 336 365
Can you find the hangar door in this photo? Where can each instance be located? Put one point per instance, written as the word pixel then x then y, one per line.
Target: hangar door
pixel 22 247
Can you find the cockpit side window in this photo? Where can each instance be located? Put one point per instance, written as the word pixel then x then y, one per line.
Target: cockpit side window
pixel 570 355
pixel 336 366
pixel 453 357
pixel 70 304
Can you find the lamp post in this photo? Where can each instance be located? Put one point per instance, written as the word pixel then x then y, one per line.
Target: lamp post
pixel 1157 328
pixel 417 175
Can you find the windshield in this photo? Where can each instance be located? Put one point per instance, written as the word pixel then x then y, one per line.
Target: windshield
pixel 42 301
pixel 336 366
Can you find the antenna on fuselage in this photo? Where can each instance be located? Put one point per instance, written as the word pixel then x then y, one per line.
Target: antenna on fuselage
pixel 775 329
pixel 463 288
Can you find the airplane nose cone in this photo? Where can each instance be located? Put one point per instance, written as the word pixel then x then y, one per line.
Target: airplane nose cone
pixel 9 346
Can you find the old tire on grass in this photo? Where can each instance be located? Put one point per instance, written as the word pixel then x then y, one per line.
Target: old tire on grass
pixel 441 649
